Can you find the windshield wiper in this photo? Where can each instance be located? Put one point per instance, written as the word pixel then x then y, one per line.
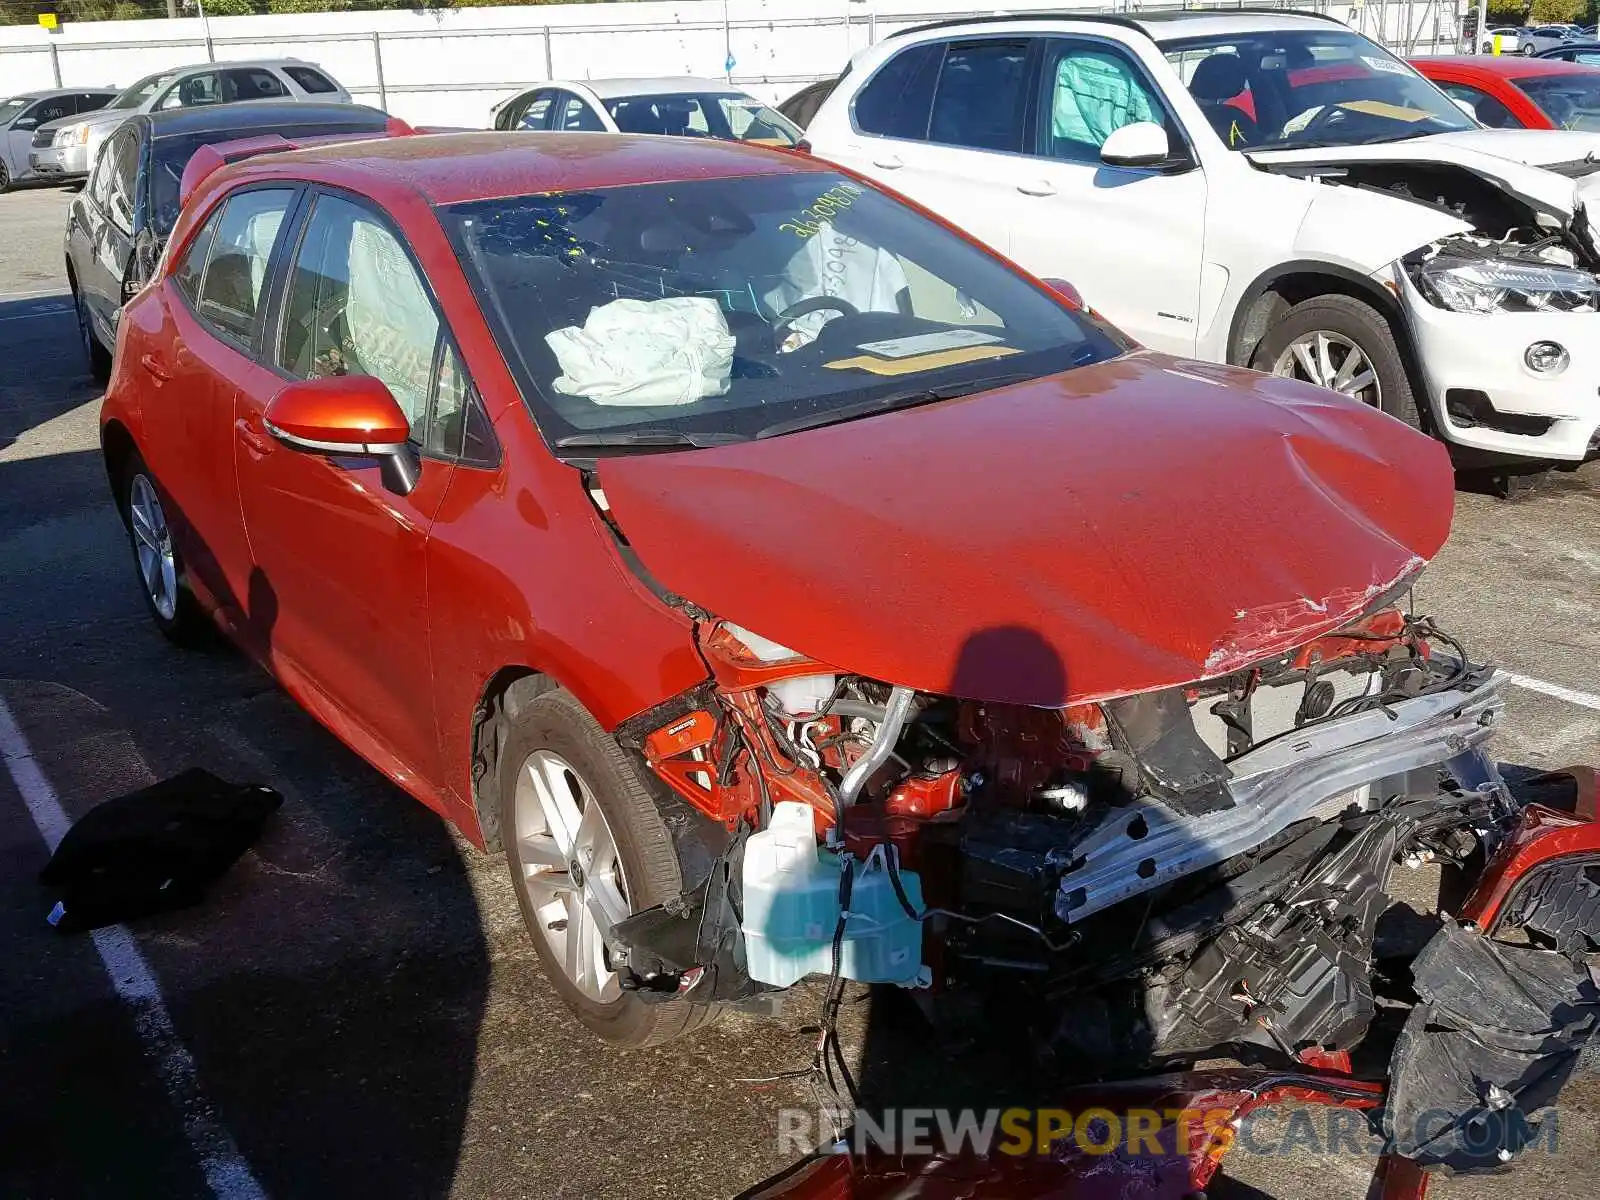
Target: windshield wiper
pixel 644 439
pixel 891 403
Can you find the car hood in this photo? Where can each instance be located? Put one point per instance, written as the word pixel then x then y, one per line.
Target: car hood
pixel 95 119
pixel 1136 524
pixel 1517 160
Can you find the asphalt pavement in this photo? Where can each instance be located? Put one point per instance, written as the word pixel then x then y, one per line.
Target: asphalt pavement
pixel 356 1008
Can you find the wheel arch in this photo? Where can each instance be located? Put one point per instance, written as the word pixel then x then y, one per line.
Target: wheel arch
pixel 1279 289
pixel 116 448
pixel 506 694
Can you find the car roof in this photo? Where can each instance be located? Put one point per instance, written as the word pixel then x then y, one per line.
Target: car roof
pixel 46 93
pixel 455 168
pixel 615 89
pixel 248 116
pixel 1162 26
pixel 1506 66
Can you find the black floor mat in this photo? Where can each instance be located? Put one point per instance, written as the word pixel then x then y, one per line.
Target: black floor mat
pixel 153 850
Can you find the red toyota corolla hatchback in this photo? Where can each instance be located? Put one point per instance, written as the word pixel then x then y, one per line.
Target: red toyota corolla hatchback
pixel 792 586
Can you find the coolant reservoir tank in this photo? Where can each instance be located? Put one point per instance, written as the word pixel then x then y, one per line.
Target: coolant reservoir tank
pixel 791 909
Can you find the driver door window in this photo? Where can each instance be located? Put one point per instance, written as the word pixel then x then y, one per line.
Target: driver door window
pixel 355 305
pixel 1092 94
pixel 537 115
pixel 1484 106
pixel 122 170
pixel 576 116
pixel 193 91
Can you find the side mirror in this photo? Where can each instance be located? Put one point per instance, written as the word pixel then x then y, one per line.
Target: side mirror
pixel 1067 292
pixel 1142 144
pixel 347 415
pixel 1466 106
pixel 25 123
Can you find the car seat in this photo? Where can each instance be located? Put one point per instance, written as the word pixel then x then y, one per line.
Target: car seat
pixel 1217 80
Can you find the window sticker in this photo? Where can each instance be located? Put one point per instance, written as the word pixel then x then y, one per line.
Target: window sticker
pixel 1387 65
pixel 924 343
pixel 817 215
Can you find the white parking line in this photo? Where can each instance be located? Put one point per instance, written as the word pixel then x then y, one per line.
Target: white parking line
pixel 54 311
pixel 1559 691
pixel 226 1172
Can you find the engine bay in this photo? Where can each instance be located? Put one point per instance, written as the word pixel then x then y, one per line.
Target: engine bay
pixel 1175 872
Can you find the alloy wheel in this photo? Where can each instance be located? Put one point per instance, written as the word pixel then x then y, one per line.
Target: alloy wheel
pixel 152 544
pixel 570 873
pixel 1331 360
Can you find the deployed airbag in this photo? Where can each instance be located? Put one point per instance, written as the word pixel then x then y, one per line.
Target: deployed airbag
pixel 646 352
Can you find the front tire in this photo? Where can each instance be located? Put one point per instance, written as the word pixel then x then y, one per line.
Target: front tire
pixel 586 846
pixel 5 178
pixel 1344 344
pixel 157 561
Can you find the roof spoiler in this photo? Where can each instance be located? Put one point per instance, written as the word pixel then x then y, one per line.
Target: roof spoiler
pixel 210 158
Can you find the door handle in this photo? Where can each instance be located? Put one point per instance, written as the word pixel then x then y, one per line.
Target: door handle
pixel 889 162
pixel 156 367
pixel 255 445
pixel 1039 187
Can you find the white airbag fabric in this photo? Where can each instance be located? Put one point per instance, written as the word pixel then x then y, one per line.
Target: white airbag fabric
pixel 646 352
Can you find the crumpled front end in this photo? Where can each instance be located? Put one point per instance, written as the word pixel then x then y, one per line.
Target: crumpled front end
pixel 1151 880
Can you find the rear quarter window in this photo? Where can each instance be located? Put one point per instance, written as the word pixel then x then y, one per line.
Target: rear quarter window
pixel 311 80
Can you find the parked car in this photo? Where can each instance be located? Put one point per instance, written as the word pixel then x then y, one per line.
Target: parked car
pixel 21 117
pixel 1510 38
pixel 803 105
pixel 681 107
pixel 118 224
pixel 76 142
pixel 1546 37
pixel 1520 93
pixel 652 508
pixel 1586 52
pixel 1270 190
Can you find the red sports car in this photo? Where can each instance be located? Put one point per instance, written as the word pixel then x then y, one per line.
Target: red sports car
pixel 793 587
pixel 1511 92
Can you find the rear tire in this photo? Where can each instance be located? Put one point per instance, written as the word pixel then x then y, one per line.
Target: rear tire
pixel 556 763
pixel 158 564
pixel 1334 323
pixel 99 357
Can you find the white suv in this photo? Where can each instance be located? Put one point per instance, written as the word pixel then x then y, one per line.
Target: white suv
pixel 1273 191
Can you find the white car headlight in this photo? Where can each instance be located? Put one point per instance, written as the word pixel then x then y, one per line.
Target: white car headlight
pixel 1490 286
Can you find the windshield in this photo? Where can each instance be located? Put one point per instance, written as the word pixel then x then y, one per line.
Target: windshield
pixel 1571 101
pixel 731 116
pixel 10 108
pixel 1315 87
pixel 722 309
pixel 141 91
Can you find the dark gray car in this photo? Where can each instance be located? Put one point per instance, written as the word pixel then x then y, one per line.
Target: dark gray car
pixel 119 222
pixel 22 114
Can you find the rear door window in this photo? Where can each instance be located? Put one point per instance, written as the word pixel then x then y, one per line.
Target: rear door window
pixel 981 96
pixel 311 80
pixel 896 101
pixel 251 83
pixel 229 296
pixel 52 109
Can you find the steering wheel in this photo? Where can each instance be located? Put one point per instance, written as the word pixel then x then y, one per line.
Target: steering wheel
pixel 811 304
pixel 1329 114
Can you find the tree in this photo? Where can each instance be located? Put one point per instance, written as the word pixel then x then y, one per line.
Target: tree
pixel 1558 12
